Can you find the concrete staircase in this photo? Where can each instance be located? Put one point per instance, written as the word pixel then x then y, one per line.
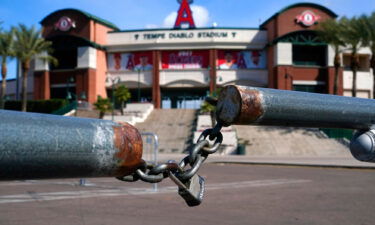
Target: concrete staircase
pixel 288 142
pixel 87 113
pixel 174 128
pixel 229 144
pixel 133 113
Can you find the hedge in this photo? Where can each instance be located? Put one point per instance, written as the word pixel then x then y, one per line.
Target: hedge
pixel 39 106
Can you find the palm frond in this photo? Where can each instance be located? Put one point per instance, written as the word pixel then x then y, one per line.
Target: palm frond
pixel 29 44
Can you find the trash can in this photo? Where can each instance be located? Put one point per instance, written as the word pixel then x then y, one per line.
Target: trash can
pixel 241 149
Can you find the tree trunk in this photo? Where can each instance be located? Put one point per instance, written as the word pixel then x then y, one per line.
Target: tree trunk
pixel 101 115
pixel 372 63
pixel 25 70
pixel 3 84
pixel 213 118
pixel 122 107
pixel 337 64
pixel 354 66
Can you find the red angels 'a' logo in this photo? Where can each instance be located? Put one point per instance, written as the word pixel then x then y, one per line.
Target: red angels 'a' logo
pixel 184 15
pixel 64 24
pixel 307 18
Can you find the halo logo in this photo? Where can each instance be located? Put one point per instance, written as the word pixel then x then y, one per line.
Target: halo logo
pixel 307 18
pixel 65 23
pixel 184 15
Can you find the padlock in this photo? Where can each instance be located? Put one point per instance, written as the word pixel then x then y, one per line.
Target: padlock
pixel 192 191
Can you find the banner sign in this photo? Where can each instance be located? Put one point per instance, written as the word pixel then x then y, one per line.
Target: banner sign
pixel 232 60
pixel 130 61
pixel 184 59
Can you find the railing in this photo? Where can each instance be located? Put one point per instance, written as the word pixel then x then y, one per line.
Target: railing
pixel 261 106
pixel 65 109
pixel 36 146
pixel 338 133
pixel 150 150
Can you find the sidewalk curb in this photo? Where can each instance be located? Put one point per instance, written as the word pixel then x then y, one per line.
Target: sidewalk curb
pixel 294 164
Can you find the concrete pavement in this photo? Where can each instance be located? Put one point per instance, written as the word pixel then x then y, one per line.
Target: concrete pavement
pixel 346 161
pixel 236 194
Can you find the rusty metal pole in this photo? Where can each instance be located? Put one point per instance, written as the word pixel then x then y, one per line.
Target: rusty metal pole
pixel 262 106
pixel 37 146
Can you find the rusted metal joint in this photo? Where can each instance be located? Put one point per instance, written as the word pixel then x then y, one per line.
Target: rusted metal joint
pixel 37 146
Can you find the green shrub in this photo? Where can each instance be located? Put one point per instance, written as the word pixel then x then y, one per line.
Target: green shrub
pixel 39 106
pixel 103 105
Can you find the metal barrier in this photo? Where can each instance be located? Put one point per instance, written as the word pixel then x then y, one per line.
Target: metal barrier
pixel 35 146
pixel 150 150
pixel 262 106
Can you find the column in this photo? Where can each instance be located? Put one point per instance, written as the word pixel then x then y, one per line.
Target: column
pixel 331 81
pixel 212 67
pixel 41 78
pixel 41 85
pixel 156 95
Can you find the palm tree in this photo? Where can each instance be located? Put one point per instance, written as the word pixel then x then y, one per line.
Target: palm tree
pixel 353 37
pixel 103 105
pixel 122 94
pixel 369 40
pixel 6 51
pixel 330 31
pixel 29 44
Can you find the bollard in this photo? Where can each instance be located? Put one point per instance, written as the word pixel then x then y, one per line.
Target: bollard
pixel 262 106
pixel 38 146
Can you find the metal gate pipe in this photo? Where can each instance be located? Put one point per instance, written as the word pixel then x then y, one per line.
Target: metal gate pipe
pixel 262 106
pixel 37 146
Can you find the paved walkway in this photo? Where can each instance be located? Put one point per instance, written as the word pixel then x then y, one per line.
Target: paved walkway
pixel 317 161
pixel 235 194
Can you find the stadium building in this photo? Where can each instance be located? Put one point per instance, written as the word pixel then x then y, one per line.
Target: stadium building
pixel 178 67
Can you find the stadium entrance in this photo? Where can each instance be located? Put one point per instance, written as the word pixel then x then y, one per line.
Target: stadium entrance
pixel 183 98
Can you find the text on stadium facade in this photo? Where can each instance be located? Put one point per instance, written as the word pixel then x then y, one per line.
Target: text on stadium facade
pixel 185 35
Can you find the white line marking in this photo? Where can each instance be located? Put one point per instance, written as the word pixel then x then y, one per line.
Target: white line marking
pixel 49 196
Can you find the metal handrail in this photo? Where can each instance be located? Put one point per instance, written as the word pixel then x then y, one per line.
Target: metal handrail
pixel 65 109
pixel 262 106
pixel 34 146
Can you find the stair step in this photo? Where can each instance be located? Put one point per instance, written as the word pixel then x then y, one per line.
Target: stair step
pixel 288 141
pixel 172 126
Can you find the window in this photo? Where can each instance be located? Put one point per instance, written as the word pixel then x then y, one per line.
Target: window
pixel 67 59
pixel 61 92
pixel 310 88
pixel 309 55
pixel 364 62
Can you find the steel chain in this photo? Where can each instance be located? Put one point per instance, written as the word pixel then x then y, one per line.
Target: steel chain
pixel 156 173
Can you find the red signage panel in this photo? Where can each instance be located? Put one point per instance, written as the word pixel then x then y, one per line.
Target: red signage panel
pixel 184 59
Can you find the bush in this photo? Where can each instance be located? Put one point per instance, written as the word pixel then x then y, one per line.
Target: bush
pixel 38 106
pixel 103 105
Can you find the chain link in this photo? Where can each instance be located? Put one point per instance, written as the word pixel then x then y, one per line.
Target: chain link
pixel 156 173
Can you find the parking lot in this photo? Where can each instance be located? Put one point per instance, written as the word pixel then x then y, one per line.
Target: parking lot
pixel 235 194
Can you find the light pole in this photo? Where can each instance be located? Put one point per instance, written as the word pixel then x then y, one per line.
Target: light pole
pixel 114 81
pixel 68 82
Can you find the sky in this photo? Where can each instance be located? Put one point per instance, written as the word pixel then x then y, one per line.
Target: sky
pixel 146 14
